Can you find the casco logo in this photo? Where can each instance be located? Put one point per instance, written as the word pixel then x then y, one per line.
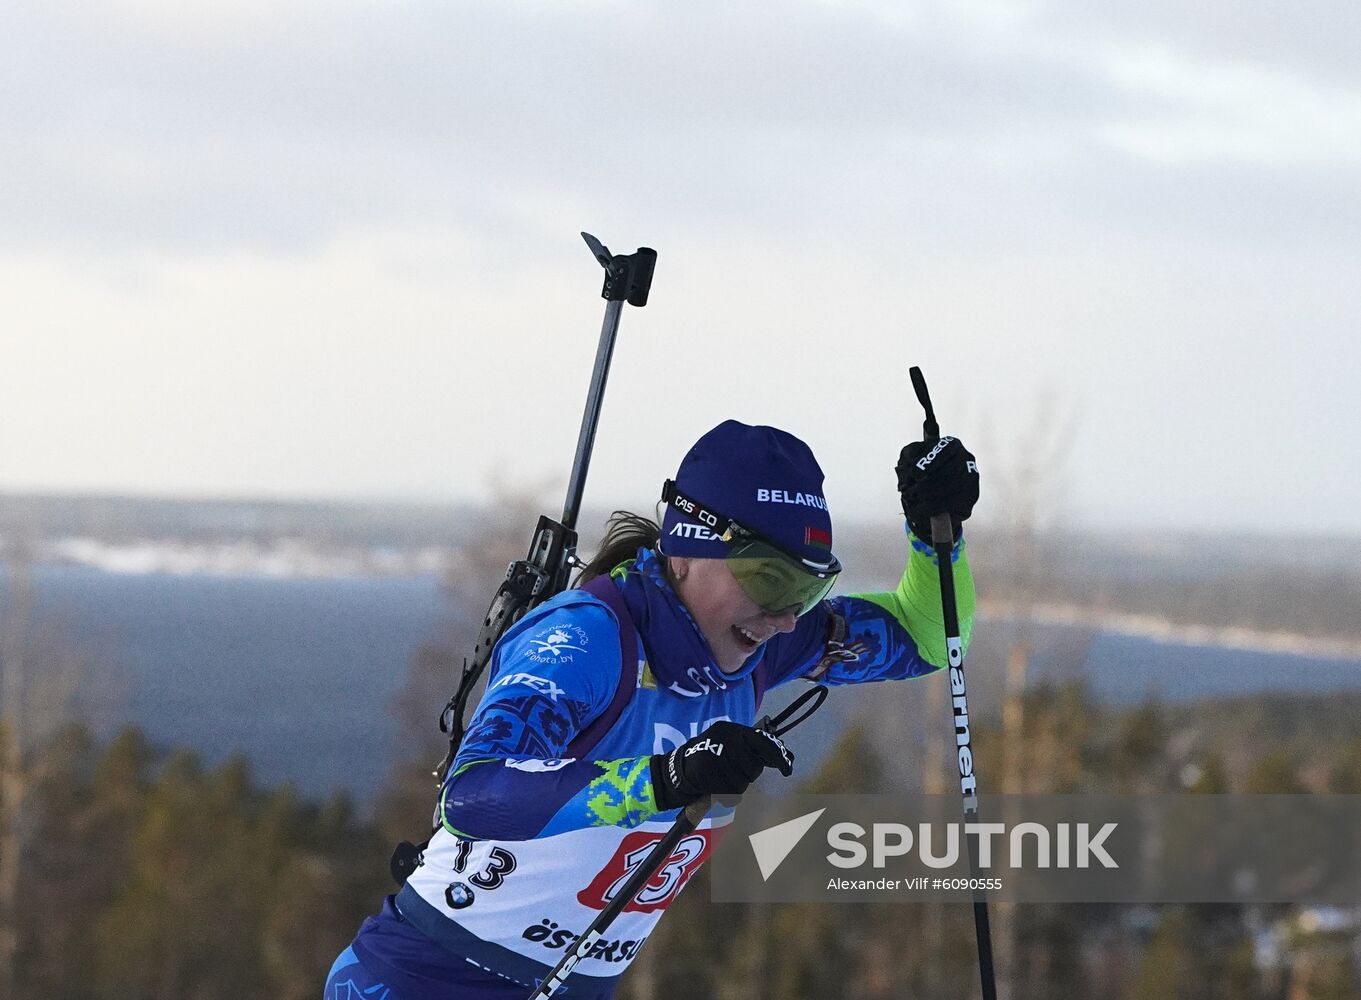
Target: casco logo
pixel 695 510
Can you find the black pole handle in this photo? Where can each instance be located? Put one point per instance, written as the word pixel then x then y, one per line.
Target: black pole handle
pixel 930 429
pixel 810 701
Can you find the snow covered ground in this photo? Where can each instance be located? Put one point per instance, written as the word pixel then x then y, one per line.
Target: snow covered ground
pixel 277 557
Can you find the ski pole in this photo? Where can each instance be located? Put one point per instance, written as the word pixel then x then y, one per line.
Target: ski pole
pixel 943 541
pixel 691 816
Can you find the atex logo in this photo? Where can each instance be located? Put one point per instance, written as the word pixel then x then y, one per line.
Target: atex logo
pixel 543 685
pixel 1037 845
pixel 686 530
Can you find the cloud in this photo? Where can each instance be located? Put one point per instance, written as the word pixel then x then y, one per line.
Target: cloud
pixel 1216 112
pixel 144 128
pixel 201 129
pixel 1316 40
pixel 309 248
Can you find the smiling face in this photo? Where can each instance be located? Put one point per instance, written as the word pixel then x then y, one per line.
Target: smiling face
pixel 732 623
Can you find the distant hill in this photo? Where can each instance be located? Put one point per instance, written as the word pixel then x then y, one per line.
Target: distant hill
pixel 120 519
pixel 1292 585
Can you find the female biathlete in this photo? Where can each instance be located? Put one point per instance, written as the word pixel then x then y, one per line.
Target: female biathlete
pixel 612 706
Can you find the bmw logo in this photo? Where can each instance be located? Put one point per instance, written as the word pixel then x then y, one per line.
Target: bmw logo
pixel 458 896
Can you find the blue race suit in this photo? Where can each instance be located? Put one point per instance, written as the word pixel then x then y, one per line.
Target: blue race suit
pixel 538 827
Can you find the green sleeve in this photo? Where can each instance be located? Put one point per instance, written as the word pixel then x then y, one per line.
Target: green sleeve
pixel 916 602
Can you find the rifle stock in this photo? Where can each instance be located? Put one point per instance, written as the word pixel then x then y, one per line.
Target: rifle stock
pixel 529 582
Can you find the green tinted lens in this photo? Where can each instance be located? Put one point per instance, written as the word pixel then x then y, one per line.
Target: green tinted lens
pixel 774 581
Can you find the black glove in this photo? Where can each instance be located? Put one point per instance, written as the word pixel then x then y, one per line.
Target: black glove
pixel 722 760
pixel 937 478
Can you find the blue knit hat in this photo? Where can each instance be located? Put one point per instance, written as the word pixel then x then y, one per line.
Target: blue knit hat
pixel 764 479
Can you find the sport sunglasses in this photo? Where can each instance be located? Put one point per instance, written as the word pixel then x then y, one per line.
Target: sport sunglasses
pixel 770 575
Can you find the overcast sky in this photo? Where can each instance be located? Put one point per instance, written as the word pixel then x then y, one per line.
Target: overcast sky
pixel 322 250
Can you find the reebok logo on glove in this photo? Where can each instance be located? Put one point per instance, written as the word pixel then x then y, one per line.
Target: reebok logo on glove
pixel 922 463
pixel 939 477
